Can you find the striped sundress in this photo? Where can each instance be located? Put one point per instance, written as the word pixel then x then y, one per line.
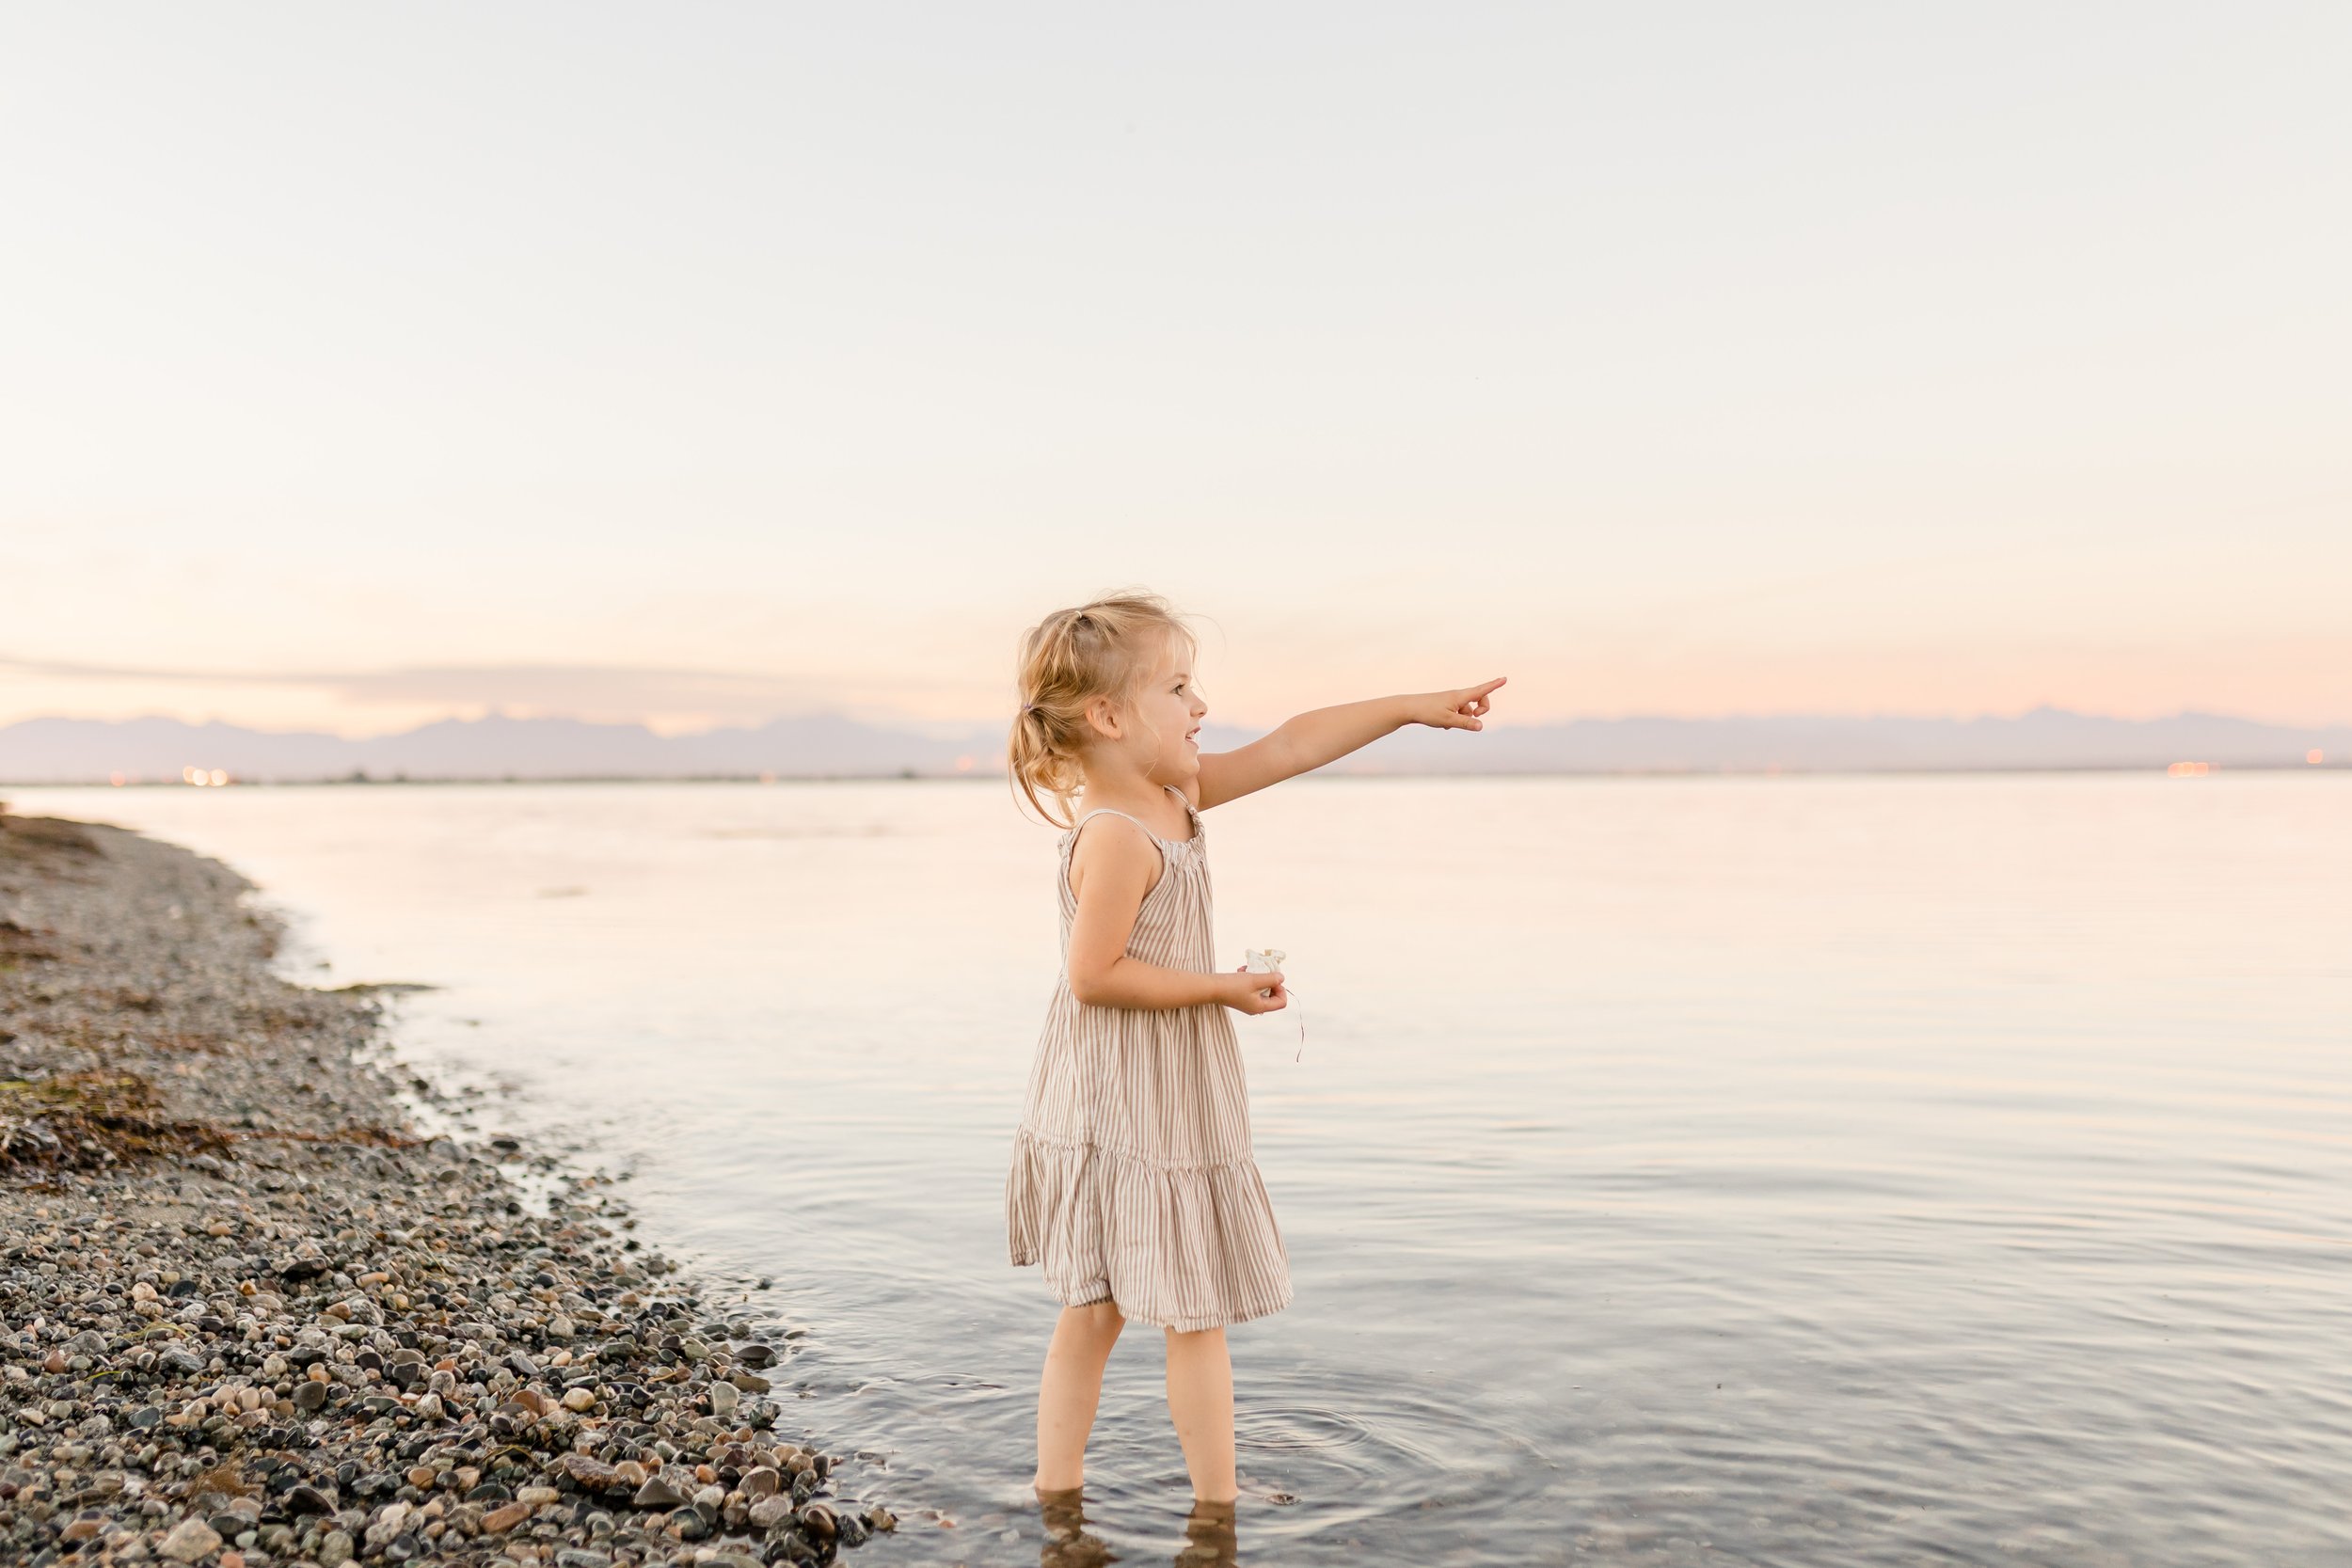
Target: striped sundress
pixel 1133 1175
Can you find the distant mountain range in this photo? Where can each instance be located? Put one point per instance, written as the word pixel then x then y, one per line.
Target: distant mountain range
pixel 91 751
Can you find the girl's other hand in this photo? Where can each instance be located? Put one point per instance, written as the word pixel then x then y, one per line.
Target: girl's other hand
pixel 1255 990
pixel 1459 709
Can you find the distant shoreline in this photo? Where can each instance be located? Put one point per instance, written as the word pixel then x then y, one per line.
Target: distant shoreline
pixel 837 748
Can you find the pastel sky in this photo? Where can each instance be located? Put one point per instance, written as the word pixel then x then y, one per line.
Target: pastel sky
pixel 364 365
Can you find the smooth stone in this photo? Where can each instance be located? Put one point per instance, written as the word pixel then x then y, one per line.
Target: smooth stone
pixel 590 1471
pixel 499 1520
pixel 658 1493
pixel 190 1540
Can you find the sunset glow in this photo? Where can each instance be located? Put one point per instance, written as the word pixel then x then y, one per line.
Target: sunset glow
pixel 1515 344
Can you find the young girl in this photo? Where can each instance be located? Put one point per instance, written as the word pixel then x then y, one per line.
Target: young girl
pixel 1133 1182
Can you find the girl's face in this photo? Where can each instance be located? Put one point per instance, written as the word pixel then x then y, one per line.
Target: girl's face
pixel 1168 710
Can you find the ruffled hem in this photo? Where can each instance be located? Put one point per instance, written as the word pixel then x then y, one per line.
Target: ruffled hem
pixel 1176 1245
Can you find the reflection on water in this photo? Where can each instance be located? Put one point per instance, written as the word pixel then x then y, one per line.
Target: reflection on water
pixel 1810 1172
pixel 1211 1538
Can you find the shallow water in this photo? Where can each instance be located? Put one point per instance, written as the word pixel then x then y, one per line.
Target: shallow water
pixel 1804 1171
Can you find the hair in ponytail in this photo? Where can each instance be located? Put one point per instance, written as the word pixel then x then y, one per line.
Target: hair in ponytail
pixel 1102 648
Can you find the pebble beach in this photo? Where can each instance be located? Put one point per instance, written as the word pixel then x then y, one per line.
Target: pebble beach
pixel 268 1297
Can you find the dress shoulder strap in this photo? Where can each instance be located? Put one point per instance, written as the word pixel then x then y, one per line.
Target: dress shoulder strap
pixel 1104 810
pixel 1070 839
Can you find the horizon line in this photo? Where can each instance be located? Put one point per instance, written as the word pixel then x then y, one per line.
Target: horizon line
pixel 921 724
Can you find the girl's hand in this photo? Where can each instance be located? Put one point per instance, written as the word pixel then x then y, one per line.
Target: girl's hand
pixel 1254 991
pixel 1454 710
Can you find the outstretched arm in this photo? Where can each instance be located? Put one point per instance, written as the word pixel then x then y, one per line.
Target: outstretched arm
pixel 1325 734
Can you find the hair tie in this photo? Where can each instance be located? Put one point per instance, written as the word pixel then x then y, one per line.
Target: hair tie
pixel 1028 707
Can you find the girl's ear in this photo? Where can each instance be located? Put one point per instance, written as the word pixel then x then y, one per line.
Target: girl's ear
pixel 1104 715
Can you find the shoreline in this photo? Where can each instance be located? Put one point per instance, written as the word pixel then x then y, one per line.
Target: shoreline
pixel 251 1314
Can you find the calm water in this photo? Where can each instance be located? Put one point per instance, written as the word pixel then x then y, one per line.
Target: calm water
pixel 1763 1171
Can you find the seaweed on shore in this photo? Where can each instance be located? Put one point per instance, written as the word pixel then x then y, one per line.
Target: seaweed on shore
pixel 19 944
pixel 46 843
pixel 87 1120
pixel 83 1120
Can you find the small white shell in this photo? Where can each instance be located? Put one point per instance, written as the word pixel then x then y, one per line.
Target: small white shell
pixel 1262 960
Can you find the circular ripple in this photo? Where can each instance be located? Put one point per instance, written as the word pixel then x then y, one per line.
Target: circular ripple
pixel 1298 1426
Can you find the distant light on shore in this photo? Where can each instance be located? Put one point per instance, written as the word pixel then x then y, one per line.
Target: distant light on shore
pixel 116 779
pixel 200 777
pixel 2314 756
pixel 2189 769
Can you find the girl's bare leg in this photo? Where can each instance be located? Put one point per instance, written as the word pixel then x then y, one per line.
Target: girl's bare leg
pixel 1201 1401
pixel 1071 1389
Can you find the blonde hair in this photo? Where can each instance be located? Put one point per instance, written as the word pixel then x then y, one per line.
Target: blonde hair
pixel 1102 648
